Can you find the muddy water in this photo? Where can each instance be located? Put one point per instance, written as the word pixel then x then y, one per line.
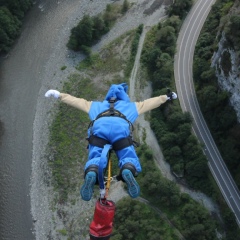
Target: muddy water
pixel 20 81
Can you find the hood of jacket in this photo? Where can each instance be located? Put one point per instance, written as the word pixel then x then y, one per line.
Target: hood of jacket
pixel 118 91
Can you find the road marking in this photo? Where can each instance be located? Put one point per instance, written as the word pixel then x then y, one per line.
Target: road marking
pixel 192 92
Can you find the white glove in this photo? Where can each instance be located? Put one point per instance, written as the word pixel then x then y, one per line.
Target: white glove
pixel 172 96
pixel 53 93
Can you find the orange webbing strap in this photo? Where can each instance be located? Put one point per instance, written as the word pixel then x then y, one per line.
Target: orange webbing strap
pixel 109 178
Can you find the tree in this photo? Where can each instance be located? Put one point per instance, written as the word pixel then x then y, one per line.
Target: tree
pixel 231 152
pixel 168 140
pixel 174 152
pixel 209 93
pixel 184 130
pixel 166 37
pixel 82 34
pixel 11 16
pixel 99 27
pixel 200 65
pixel 177 118
pixel 85 31
pixel 5 41
pixel 125 6
pixel 150 58
pixel 235 25
pixel 145 225
pixel 231 224
pixel 175 22
pixel 180 8
pixel 209 75
pixel 165 66
pixel 205 40
pixel 18 8
pixel 109 16
pixel 197 167
pixel 10 27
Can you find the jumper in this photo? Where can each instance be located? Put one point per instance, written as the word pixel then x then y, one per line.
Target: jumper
pixel 113 128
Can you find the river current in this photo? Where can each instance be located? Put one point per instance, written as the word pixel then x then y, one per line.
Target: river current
pixel 20 81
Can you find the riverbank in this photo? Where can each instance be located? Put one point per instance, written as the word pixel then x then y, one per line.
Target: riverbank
pixel 53 77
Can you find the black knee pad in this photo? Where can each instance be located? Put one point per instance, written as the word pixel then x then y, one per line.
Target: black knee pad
pixel 130 167
pixel 92 168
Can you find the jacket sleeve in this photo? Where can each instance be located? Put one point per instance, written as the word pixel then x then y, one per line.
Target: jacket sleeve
pixel 150 104
pixel 79 103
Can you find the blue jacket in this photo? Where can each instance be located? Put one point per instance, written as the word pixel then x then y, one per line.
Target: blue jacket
pixel 114 128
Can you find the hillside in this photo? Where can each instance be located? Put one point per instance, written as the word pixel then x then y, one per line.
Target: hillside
pixel 216 74
pixel 69 216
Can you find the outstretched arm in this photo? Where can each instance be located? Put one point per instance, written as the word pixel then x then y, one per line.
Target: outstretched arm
pixel 79 103
pixel 154 102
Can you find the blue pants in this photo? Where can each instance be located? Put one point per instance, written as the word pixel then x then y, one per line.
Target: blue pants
pixel 113 129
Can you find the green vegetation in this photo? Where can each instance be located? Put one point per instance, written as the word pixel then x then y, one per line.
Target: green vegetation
pixel 158 52
pixel 125 6
pixel 172 127
pixel 63 232
pixel 180 8
pixel 90 29
pixel 12 13
pixel 63 68
pixel 188 216
pixel 135 220
pixel 134 48
pixel 214 102
pixel 108 63
pixel 232 30
pixel 68 139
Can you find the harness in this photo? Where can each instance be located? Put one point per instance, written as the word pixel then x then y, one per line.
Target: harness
pixel 119 144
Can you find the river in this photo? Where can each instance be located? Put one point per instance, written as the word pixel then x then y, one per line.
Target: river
pixel 21 77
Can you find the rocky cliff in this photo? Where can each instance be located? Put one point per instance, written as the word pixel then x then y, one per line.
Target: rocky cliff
pixel 226 60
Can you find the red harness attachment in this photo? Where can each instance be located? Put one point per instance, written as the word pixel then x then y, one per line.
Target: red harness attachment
pixel 102 223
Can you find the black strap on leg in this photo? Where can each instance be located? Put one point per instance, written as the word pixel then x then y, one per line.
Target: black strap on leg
pixel 116 146
pixel 123 143
pixel 97 141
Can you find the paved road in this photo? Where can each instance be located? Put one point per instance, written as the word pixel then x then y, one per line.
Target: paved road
pixel 184 83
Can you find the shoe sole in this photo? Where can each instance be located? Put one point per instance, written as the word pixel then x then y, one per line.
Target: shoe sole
pixel 132 185
pixel 87 188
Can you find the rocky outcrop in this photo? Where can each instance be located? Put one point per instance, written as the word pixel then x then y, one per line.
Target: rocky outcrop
pixel 228 76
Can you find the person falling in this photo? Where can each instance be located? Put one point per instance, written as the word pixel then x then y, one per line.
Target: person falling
pixel 111 125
